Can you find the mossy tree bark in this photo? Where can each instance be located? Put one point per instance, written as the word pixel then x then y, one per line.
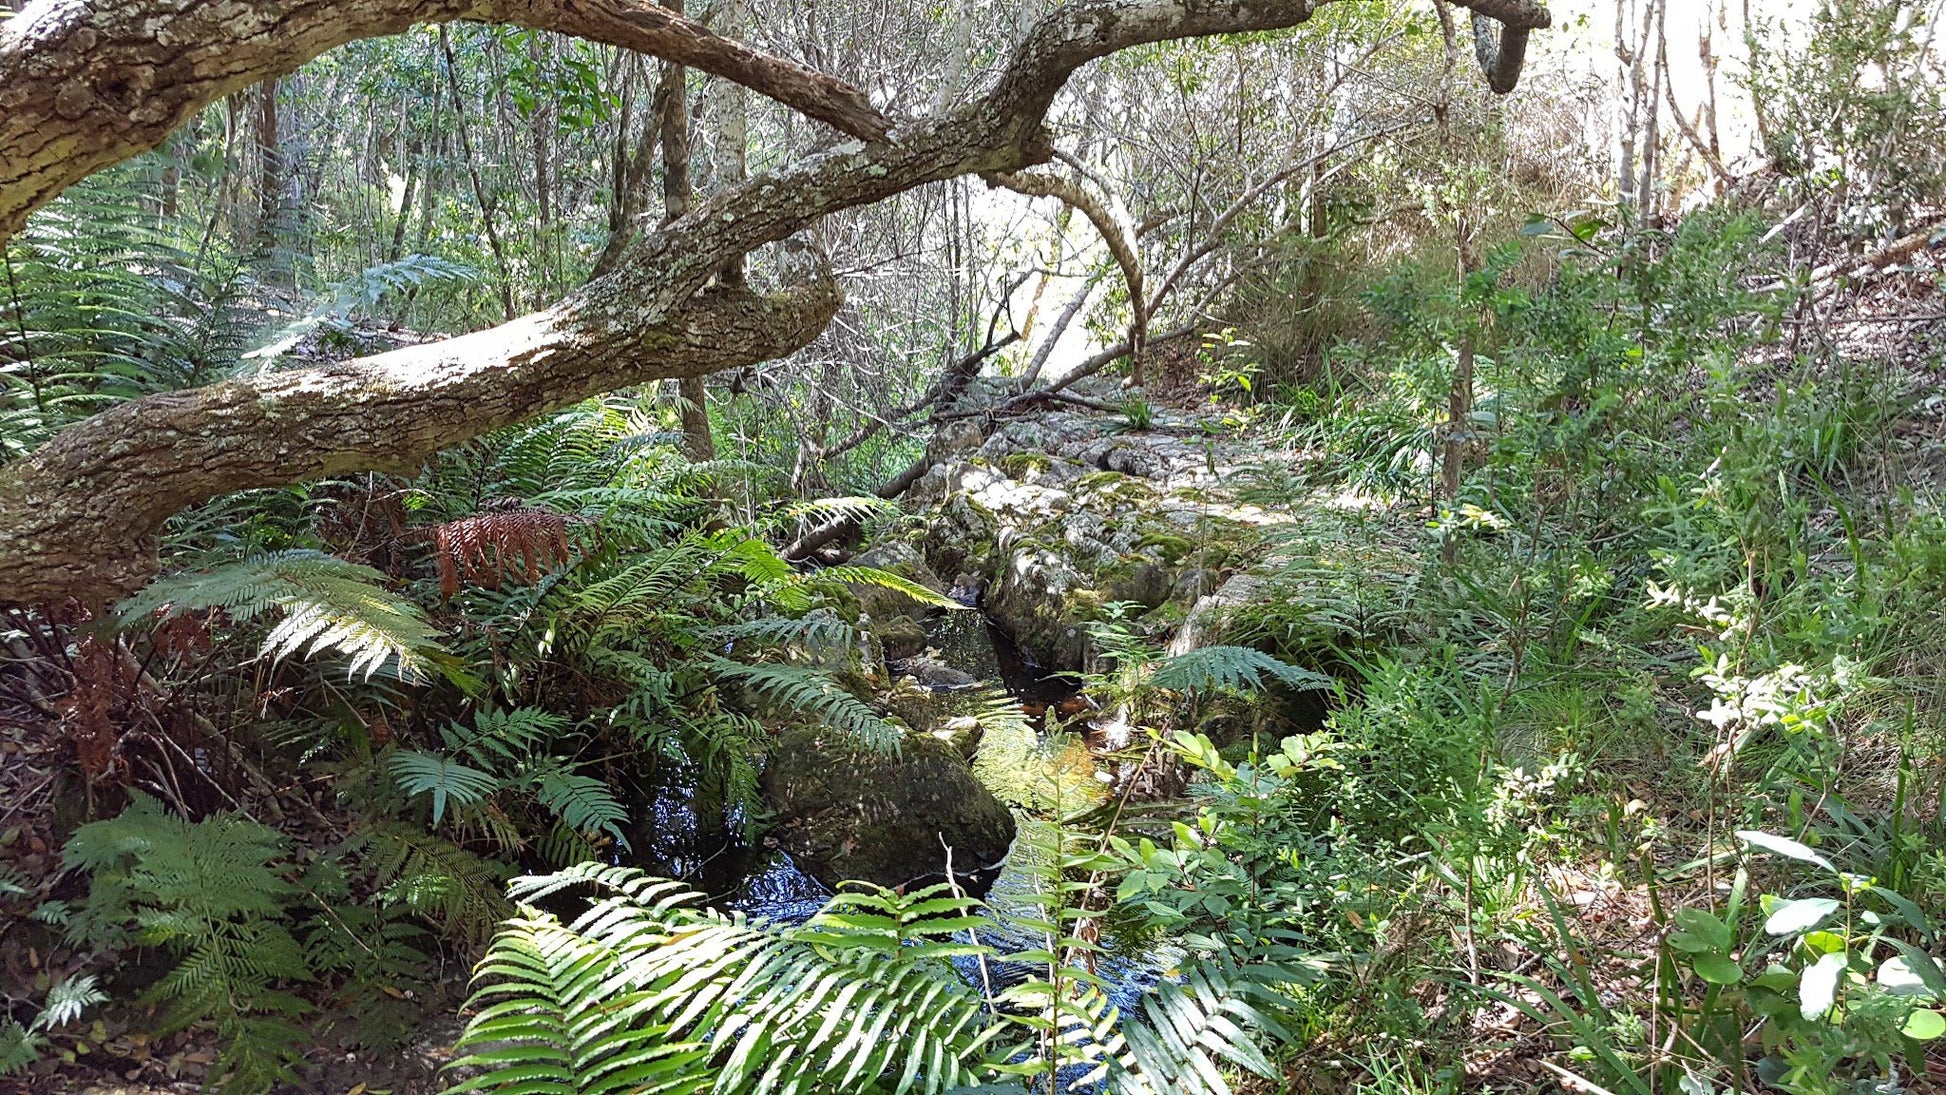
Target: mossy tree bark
pixel 84 86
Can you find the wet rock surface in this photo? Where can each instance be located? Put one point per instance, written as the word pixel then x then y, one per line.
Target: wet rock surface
pixel 846 813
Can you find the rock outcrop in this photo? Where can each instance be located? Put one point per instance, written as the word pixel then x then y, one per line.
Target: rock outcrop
pixel 1060 515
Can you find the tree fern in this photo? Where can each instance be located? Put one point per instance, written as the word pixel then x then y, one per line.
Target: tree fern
pixel 326 604
pixel 815 694
pixel 1232 669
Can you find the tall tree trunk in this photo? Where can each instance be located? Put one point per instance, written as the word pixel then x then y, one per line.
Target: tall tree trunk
pixel 629 174
pixel 677 190
pixel 273 246
pixel 396 250
pixel 730 166
pixel 481 196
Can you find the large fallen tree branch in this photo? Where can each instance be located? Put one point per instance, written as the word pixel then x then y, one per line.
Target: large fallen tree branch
pixel 83 86
pixel 82 514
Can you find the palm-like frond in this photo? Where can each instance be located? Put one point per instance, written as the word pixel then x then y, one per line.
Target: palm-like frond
pixel 647 992
pixel 818 631
pixel 1195 1028
pixel 583 803
pixel 363 290
pixel 445 779
pixel 326 602
pixel 812 693
pixel 1231 669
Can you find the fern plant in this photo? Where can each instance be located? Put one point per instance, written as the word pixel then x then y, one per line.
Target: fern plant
pixel 326 603
pixel 104 305
pixel 511 752
pixel 810 692
pixel 215 896
pixel 21 1043
pixel 649 991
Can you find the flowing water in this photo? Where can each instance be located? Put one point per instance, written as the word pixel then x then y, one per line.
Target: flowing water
pixel 683 838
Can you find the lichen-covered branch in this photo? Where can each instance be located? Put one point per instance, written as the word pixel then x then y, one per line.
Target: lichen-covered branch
pixel 84 85
pixel 79 517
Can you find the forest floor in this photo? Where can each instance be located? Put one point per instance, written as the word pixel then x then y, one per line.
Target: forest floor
pixel 116 1055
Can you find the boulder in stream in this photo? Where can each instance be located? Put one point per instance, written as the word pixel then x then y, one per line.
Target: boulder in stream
pixel 843 812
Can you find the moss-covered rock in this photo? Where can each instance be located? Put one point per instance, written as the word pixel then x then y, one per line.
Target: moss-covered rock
pixel 899 636
pixel 847 813
pixel 906 561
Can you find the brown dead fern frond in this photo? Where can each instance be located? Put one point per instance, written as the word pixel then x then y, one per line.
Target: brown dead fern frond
pixel 488 548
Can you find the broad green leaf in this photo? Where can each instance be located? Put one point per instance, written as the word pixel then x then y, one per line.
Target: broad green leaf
pixel 1792 917
pixel 1824 941
pixel 1924 1025
pixel 1817 987
pixel 1784 846
pixel 1717 969
pixel 1700 932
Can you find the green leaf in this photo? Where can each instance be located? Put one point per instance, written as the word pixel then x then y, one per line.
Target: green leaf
pixel 1817 986
pixel 1232 669
pixel 1784 846
pixel 420 773
pixel 1700 933
pixel 1924 1025
pixel 1792 917
pixel 1923 966
pixel 1717 969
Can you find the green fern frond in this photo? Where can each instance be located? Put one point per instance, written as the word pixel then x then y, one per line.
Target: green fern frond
pixel 1212 1019
pixel 1231 669
pixel 502 737
pixel 458 891
pixel 861 998
pixel 883 579
pixel 583 803
pixel 812 693
pixel 817 511
pixel 447 780
pixel 213 894
pixel 818 631
pixel 19 1047
pixel 327 604
pixel 364 290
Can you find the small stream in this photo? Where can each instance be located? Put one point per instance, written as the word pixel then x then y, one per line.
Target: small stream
pixel 679 842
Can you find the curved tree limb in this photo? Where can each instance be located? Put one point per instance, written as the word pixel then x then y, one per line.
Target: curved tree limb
pixel 82 513
pixel 86 85
pixel 1120 238
pixel 1501 50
